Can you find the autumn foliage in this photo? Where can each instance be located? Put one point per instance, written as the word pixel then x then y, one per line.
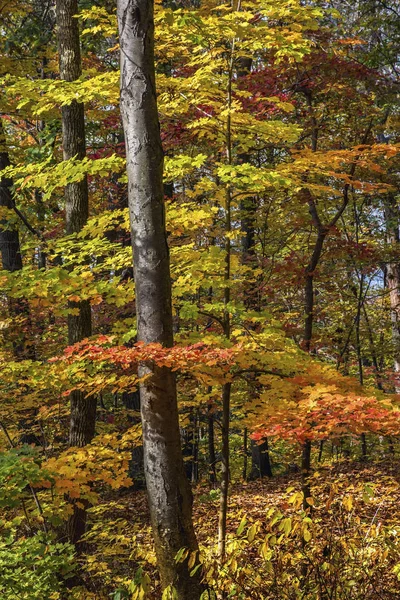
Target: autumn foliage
pixel 279 124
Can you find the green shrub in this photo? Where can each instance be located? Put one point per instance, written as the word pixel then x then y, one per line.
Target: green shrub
pixel 34 568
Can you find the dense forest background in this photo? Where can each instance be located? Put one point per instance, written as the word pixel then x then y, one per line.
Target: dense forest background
pixel 271 213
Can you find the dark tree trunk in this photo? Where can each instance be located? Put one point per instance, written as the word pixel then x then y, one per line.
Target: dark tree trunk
pixel 321 450
pixel 260 460
pixel 305 473
pixel 169 493
pixel 245 450
pixel 309 289
pixel 308 332
pixel 212 468
pixel 131 401
pixel 9 238
pixel 20 333
pixel 195 448
pixel 226 396
pixel 364 447
pixel 83 410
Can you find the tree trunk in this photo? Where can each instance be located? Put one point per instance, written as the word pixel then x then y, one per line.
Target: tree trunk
pixel 244 472
pixel 364 447
pixel 20 333
pixel 131 401
pixel 309 289
pixel 9 238
pixel 260 460
pixel 169 493
pixel 226 397
pixel 308 331
pixel 392 219
pixel 11 259
pixel 83 410
pixel 212 469
pixel 321 450
pixel 305 473
pixel 195 448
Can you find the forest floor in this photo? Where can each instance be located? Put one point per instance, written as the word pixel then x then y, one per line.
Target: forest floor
pixel 356 507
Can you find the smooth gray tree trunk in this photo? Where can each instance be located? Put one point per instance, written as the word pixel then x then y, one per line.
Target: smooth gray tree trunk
pixel 169 493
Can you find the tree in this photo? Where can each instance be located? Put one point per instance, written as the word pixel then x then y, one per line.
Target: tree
pixel 83 409
pixel 169 493
pixel 263 107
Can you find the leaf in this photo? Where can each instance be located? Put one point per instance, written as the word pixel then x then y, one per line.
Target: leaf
pixel 251 534
pixel 192 559
pixel 306 535
pixel 348 503
pixel 242 525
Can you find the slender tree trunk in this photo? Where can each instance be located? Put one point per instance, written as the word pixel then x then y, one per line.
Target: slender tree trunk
pixel 195 448
pixel 309 289
pixel 212 470
pixel 374 356
pixel 321 450
pixel 83 410
pixel 131 401
pixel 308 331
pixel 245 450
pixel 305 473
pixel 169 493
pixel 364 448
pixel 226 396
pixel 392 219
pixel 227 387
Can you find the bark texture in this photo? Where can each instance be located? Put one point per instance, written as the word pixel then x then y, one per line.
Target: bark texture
pixel 212 461
pixel 20 334
pixel 392 218
pixel 83 410
pixel 169 493
pixel 223 506
pixel 9 238
pixel 260 460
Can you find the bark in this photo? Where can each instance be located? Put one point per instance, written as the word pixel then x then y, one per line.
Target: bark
pixel 392 219
pixel 309 289
pixel 83 410
pixel 10 251
pixel 244 472
pixel 226 393
pixel 305 473
pixel 322 232
pixel 364 449
pixel 9 238
pixel 223 509
pixel 260 460
pixel 226 323
pixel 195 448
pixel 20 333
pixel 169 493
pixel 190 446
pixel 321 450
pixel 374 356
pixel 212 471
